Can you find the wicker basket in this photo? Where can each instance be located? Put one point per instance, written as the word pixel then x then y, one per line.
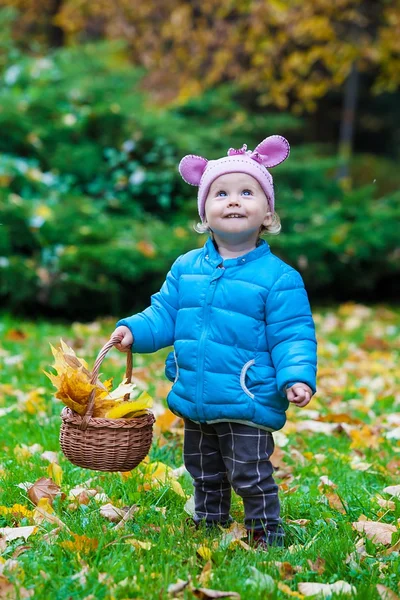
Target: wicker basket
pixel 105 444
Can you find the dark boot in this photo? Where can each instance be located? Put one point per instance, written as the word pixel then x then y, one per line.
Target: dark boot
pixel 271 537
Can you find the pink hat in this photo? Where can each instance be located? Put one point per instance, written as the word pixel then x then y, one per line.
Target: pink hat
pixel 196 170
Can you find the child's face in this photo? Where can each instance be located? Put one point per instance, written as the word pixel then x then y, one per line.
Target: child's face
pixel 237 194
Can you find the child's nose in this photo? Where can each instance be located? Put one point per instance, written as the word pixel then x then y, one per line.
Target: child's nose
pixel 233 200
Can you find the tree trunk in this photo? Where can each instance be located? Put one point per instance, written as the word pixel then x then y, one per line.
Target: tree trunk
pixel 347 127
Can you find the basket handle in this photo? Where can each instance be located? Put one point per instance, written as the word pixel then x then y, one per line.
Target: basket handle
pixel 100 357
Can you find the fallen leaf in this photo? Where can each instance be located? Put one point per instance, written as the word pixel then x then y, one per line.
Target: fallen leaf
pixel 158 473
pixel 326 589
pixel 205 574
pixel 50 456
pixel 233 535
pixel 166 421
pixel 80 543
pixel 55 472
pixel 318 565
pixel 287 570
pixel 377 532
pixel 189 506
pixel 43 488
pixel 326 482
pixel 365 437
pixel 387 504
pixel 138 544
pixel 335 502
pixel 393 490
pixel 23 452
pixel 7 589
pixel 45 512
pixel 301 522
pixel 204 593
pixel 18 511
pixel 12 533
pixel 111 512
pixel 204 552
pixel 260 581
pixel 175 588
pixel 75 493
pixel 127 516
pixel 395 548
pixel 288 591
pixel 386 593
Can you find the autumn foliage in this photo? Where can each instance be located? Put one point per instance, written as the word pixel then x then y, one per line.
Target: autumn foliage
pixel 288 53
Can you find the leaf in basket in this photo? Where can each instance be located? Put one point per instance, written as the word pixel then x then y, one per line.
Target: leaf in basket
pixel 73 380
pixel 128 409
pixel 70 352
pixel 120 392
pixel 43 488
pixel 101 407
pixel 109 383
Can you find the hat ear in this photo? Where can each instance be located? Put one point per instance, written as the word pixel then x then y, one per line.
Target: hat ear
pixel 275 149
pixel 192 168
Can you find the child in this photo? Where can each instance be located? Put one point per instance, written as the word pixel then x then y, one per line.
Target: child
pixel 243 336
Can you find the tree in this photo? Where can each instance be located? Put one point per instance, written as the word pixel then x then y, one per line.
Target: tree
pixel 289 53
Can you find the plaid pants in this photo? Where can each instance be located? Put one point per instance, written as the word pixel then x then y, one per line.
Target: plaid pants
pixel 228 455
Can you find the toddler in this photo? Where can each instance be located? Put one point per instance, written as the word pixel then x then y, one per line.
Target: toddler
pixel 243 335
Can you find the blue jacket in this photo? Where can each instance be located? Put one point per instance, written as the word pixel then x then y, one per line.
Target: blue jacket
pixel 242 332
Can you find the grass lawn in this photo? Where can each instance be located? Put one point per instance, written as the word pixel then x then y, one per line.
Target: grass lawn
pixel 333 459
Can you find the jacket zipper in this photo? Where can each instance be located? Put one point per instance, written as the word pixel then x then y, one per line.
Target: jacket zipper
pixel 206 318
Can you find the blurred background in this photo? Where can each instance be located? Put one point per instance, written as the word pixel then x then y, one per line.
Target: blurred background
pixel 99 101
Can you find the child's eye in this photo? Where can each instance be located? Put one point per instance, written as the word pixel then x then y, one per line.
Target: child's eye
pixel 221 193
pixel 247 192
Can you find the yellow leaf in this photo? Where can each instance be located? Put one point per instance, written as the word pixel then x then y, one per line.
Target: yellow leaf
pixel 204 552
pixel 364 438
pixel 22 453
pixel 73 384
pixel 42 511
pixel 80 543
pixel 176 486
pixel 160 473
pixel 18 511
pixel 55 472
pixel 33 403
pixel 289 592
pixel 139 545
pixel 128 409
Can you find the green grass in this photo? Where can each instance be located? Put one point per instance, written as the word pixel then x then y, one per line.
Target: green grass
pixel 363 349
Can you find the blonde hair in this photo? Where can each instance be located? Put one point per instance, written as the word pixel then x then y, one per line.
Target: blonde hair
pixel 272 229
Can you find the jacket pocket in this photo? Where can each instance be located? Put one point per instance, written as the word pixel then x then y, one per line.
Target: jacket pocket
pixel 171 367
pixel 243 373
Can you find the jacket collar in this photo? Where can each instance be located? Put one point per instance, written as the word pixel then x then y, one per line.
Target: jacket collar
pixel 212 255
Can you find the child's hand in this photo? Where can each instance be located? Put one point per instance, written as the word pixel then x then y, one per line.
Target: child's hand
pixel 300 394
pixel 126 338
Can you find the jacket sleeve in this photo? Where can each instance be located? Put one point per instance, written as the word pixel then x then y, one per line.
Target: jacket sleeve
pixel 291 332
pixel 154 328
